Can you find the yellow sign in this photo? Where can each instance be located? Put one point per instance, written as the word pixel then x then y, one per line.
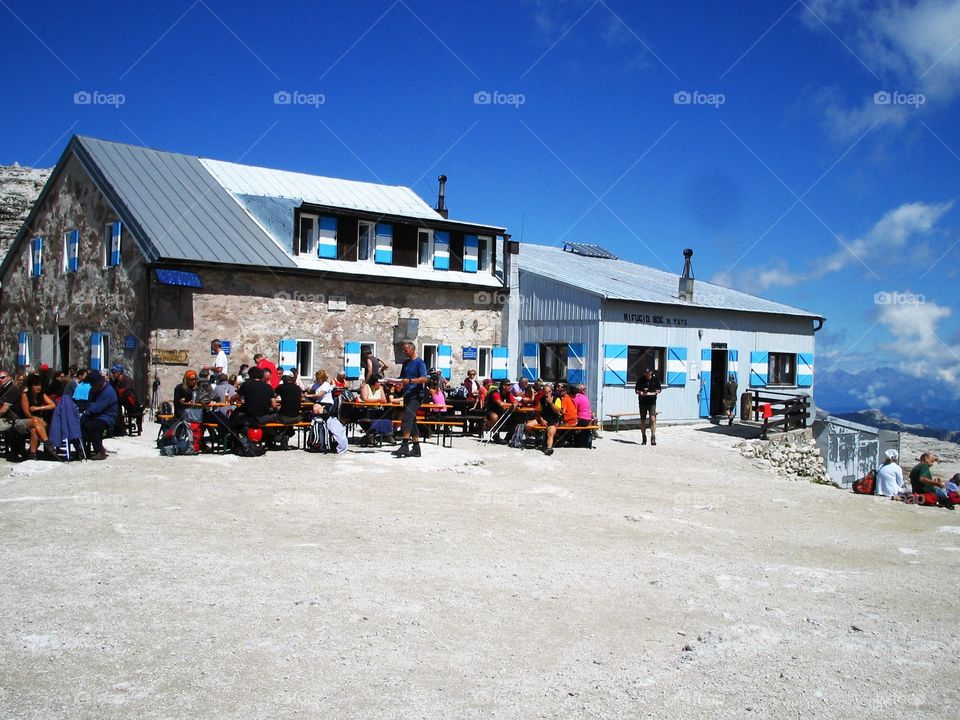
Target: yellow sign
pixel 170 357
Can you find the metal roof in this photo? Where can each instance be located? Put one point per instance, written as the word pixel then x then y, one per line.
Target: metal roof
pixel 318 190
pixel 177 209
pixel 623 280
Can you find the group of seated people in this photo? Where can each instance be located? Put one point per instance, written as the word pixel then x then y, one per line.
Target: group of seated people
pixel 924 486
pixel 56 411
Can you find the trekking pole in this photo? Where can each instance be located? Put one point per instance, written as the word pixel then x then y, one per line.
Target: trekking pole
pixel 497 425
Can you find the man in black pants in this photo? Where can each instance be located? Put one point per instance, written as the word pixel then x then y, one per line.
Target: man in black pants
pixel 647 389
pixel 413 377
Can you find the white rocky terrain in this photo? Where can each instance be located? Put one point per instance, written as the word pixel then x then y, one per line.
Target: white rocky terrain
pixel 628 581
pixel 19 187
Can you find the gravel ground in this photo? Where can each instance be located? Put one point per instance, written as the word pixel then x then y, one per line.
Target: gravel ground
pixel 679 581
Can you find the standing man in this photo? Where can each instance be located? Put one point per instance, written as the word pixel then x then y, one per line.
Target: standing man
pixel 371 364
pixel 220 361
pixel 730 397
pixel 413 376
pixel 647 389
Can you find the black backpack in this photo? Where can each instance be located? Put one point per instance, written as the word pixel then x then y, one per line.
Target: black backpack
pixel 518 438
pixel 176 438
pixel 318 437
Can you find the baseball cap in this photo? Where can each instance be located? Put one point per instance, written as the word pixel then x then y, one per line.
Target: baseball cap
pixel 116 367
pixel 190 374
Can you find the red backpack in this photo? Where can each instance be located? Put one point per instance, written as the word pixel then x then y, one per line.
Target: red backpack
pixel 866 485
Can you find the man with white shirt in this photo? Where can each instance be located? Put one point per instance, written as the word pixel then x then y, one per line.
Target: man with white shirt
pixel 220 361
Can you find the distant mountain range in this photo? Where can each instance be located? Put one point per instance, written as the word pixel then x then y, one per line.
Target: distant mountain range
pixel 890 399
pixel 19 187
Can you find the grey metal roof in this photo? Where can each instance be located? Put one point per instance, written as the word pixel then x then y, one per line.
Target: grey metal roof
pixel 624 280
pixel 177 209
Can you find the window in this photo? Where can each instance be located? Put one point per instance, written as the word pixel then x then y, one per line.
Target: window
pixel 782 369
pixel 111 244
pixel 305 358
pixel 429 355
pixel 71 249
pixel 105 361
pixel 365 241
pixel 483 362
pixel 640 357
pixel 307 237
pixel 35 261
pixel 425 248
pixel 553 361
pixel 484 247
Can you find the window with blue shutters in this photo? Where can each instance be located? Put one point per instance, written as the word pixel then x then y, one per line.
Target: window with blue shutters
pixel 614 364
pixel 23 349
pixel 71 251
pixel 781 369
pixel 306 235
pixel 804 369
pixel 327 237
pixel 99 351
pixel 499 363
pixel 112 237
pixel 484 253
pixel 36 257
pixel 641 357
pixel 288 354
pixel 470 253
pixel 366 241
pixel 528 361
pixel 576 363
pixel 445 360
pixel 553 362
pixel 424 248
pixel 759 368
pixel 384 248
pixel 441 250
pixel 351 360
pixel 676 366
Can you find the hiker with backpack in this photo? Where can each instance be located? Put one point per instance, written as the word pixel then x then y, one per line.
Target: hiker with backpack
pixel 889 476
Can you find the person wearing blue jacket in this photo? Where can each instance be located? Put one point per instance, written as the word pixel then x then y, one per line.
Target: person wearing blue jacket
pixel 99 415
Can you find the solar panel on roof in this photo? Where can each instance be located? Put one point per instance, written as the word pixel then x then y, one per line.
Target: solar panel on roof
pixel 180 278
pixel 587 250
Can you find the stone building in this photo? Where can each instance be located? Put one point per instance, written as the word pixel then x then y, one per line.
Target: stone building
pixel 142 257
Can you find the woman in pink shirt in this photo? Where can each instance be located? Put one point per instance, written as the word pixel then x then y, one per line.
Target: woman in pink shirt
pixel 584 416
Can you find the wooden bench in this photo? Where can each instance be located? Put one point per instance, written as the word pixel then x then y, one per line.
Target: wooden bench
pixel 301 427
pixel 564 430
pixel 444 436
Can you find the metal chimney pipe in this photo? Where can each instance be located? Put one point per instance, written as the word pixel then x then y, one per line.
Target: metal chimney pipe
pixel 442 197
pixel 686 280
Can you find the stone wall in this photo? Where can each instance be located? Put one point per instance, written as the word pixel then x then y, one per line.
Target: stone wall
pixel 254 310
pixel 793 454
pixel 93 299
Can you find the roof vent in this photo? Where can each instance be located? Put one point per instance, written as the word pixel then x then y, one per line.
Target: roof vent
pixel 686 280
pixel 590 251
pixel 442 197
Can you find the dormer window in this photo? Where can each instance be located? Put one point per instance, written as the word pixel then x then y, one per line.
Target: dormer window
pixel 484 250
pixel 307 236
pixel 425 248
pixel 366 239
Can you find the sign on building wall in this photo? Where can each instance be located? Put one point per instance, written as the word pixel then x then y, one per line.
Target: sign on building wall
pixel 130 342
pixel 170 357
pixel 469 353
pixel 649 319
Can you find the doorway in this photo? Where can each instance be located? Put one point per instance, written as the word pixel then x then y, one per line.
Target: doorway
pixel 718 377
pixel 63 346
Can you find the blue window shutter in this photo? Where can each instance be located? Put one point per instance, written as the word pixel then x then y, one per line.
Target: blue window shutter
pixel 36 257
pixel 327 237
pixel 470 245
pixel 529 361
pixel 73 251
pixel 614 364
pixel 384 248
pixel 498 363
pixel 758 368
pixel 23 349
pixel 95 351
pixel 575 366
pixel 115 231
pixel 445 360
pixel 733 363
pixel 676 366
pixel 288 354
pixel 441 250
pixel 804 369
pixel 351 360
pixel 705 365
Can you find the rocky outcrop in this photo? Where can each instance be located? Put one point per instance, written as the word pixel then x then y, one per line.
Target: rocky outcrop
pixel 793 454
pixel 19 187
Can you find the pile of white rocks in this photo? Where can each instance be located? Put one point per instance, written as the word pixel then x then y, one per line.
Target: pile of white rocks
pixel 793 454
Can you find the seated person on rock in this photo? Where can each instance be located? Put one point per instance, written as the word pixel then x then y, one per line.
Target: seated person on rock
pixel 923 482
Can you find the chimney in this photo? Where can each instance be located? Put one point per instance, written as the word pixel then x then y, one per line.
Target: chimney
pixel 442 196
pixel 686 280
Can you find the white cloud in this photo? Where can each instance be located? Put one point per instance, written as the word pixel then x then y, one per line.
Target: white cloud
pixel 911 46
pixel 890 238
pixel 918 346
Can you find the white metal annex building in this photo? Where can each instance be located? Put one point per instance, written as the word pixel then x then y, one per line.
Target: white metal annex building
pixel 578 314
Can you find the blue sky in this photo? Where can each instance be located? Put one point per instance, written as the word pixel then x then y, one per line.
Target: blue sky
pixel 786 172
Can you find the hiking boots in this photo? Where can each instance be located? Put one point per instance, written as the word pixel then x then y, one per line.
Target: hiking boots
pixel 653 439
pixel 51 451
pixel 415 452
pixel 403 450
pixel 644 441
pixel 548 451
